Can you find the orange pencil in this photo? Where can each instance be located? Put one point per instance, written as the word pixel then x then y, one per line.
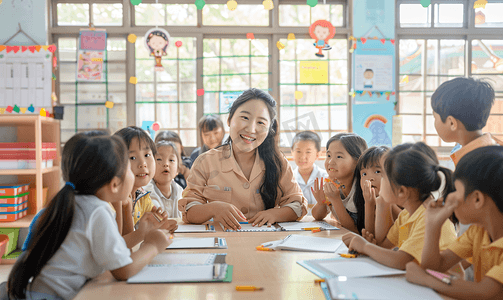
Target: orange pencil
pixel 262 248
pixel 248 288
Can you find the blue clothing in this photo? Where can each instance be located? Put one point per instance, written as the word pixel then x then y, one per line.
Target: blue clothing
pixel 30 230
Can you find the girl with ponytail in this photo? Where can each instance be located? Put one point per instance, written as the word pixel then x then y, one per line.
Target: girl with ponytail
pixel 411 179
pixel 76 237
pixel 247 178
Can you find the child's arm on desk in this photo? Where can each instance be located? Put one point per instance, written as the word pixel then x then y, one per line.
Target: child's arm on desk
pixel 487 288
pixel 384 255
pixel 383 220
pixel 147 223
pixel 155 242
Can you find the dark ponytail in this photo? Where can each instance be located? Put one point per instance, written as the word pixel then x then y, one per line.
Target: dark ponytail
pixel 268 150
pixel 88 163
pixel 416 166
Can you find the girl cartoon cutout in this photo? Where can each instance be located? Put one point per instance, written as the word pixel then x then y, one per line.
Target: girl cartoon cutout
pixel 322 31
pixel 156 42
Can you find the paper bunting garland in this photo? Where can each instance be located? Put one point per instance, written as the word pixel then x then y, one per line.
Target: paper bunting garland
pixel 16 109
pixel 43 112
pixel 31 108
pixel 2 110
pixel 23 110
pixel 371 93
pixel 16 49
pixel 9 108
pixel 480 4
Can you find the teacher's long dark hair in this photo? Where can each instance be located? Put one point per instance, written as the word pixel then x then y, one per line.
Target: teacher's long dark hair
pixel 268 150
pixel 88 163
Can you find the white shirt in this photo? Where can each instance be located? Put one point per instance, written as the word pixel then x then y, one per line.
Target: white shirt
pixel 92 246
pixel 306 187
pixel 169 205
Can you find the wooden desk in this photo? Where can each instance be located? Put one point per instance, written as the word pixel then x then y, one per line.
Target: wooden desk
pixel 277 272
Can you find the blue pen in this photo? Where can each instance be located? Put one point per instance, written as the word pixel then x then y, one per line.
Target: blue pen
pixel 243 222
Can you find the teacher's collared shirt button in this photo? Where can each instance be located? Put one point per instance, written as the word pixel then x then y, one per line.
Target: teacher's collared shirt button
pixel 246 185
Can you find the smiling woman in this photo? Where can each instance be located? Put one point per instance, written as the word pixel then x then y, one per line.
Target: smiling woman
pixel 246 179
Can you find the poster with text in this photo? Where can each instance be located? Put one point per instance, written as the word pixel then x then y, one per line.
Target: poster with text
pixel 90 66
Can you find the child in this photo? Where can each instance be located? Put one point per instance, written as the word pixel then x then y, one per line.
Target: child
pixel 461 107
pixel 185 163
pixel 211 135
pixel 409 179
pixel 368 173
pixel 247 179
pixel 343 151
pixel 306 148
pixel 76 237
pixel 165 192
pixel 477 200
pixel 141 155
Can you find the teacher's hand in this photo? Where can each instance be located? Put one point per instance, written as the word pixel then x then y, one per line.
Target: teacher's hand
pixel 227 215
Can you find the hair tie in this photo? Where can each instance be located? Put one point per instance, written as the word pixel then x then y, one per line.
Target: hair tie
pixel 436 194
pixel 70 184
pixel 437 168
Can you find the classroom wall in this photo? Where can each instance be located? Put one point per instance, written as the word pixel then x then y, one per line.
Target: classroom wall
pixel 32 15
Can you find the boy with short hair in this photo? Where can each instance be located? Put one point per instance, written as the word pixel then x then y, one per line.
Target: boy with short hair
pixel 478 200
pixel 306 148
pixel 461 107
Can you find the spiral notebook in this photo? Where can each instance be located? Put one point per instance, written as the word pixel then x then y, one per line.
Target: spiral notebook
pixel 299 226
pixel 249 228
pixel 305 243
pixel 198 243
pixel 195 228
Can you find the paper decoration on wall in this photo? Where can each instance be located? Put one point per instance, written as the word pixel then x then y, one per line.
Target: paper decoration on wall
pixel 298 95
pixel 200 92
pixel 90 66
pixel 31 108
pixel 9 108
pixel 178 44
pixel 376 125
pixel 131 38
pixel 291 37
pixel 480 4
pixel 109 104
pixel 156 42
pixel 250 36
pixel 23 110
pixel 2 110
pixel 322 31
pixel 268 4
pixel 16 109
pixel 200 4
pixel 156 126
pixel 43 113
pixel 312 3
pixel 405 79
pixel 313 71
pixel 425 3
pixel 280 45
pixel 133 80
pixel 232 5
pixel 136 2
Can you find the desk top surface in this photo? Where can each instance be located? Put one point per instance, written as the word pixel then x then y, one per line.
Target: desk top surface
pixel 276 271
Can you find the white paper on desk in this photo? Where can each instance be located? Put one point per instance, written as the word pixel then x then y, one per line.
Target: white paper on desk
pixel 356 267
pixel 193 228
pixel 249 228
pixel 394 288
pixel 173 273
pixel 309 243
pixel 299 226
pixel 197 243
pixel 184 259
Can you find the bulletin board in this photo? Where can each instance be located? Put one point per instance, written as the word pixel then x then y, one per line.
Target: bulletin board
pixel 26 76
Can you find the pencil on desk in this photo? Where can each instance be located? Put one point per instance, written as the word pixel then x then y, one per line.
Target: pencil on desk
pixel 248 288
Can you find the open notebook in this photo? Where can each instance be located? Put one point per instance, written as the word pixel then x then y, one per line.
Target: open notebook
pixel 348 267
pixel 195 228
pixel 305 243
pixel 198 243
pixel 393 288
pixel 250 228
pixel 185 267
pixel 299 226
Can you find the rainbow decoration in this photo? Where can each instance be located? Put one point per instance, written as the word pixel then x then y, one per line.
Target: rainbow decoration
pixel 373 118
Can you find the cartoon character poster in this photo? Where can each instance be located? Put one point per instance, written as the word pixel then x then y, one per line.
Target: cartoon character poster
pixel 322 31
pixel 90 66
pixel 373 122
pixel 156 42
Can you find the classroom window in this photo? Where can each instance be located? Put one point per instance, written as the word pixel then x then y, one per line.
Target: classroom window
pixel 415 15
pixel 84 99
pixel 322 105
pixel 293 15
pixel 168 97
pixel 449 15
pixel 490 16
pixel 73 14
pixel 244 15
pixel 166 14
pixel 107 14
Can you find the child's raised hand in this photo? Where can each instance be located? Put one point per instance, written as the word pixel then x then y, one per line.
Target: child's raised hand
pixel 369 236
pixel 354 242
pixel 317 190
pixel 369 193
pixel 437 212
pixel 158 238
pixel 332 192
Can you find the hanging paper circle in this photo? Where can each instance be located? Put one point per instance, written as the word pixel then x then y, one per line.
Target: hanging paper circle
pixel 312 3
pixel 200 92
pixel 280 45
pixel 268 4
pixel 291 37
pixel 131 38
pixel 232 5
pixel 250 36
pixel 200 4
pixel 178 44
pixel 156 126
pixel 425 3
pixel 156 42
pixel 298 95
pixel 135 2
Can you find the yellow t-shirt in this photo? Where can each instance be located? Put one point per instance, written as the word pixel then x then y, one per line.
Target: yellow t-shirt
pixel 141 205
pixel 408 233
pixel 487 256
